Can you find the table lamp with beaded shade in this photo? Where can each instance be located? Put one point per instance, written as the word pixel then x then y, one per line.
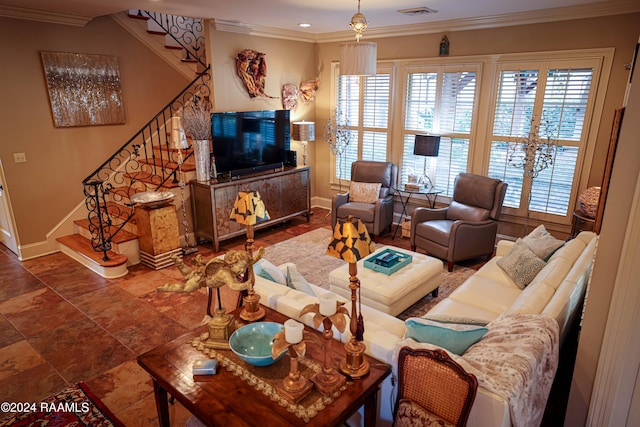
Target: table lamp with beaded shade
pixel 351 242
pixel 249 209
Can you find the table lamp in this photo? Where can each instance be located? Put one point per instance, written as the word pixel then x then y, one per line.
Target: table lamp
pixel 428 146
pixel 304 132
pixel 351 242
pixel 248 209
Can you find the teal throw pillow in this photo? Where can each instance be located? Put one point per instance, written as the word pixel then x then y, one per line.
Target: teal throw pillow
pixel 453 337
pixel 297 282
pixel 269 271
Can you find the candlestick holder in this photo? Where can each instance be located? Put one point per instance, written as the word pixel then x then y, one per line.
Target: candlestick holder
pixel 328 380
pixel 294 386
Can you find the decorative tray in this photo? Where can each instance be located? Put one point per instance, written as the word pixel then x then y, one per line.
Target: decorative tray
pixel 152 199
pixel 387 261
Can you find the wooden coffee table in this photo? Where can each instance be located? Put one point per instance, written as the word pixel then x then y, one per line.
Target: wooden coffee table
pixel 224 399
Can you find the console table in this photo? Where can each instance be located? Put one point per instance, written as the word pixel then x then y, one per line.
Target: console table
pixel 286 194
pixel 400 192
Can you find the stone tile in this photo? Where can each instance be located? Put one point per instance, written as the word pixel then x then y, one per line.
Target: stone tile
pixel 8 333
pixel 39 311
pixel 122 386
pixel 18 357
pixel 17 281
pixel 143 414
pixel 81 350
pixel 31 385
pixel 149 333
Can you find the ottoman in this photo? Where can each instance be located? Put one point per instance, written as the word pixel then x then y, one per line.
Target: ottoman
pixel 391 294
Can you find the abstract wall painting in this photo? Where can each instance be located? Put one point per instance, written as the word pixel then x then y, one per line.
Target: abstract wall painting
pixel 84 90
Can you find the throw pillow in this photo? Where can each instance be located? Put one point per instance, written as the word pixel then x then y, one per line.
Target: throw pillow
pixel 269 271
pixel 521 264
pixel 542 243
pixel 365 192
pixel 453 337
pixel 297 282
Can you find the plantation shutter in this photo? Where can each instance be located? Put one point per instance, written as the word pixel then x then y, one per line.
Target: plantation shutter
pixel 439 103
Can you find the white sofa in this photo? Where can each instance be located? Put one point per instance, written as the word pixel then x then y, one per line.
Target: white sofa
pixel 556 292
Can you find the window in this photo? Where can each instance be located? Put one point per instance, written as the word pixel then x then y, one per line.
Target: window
pixel 439 102
pixel 364 103
pixel 553 102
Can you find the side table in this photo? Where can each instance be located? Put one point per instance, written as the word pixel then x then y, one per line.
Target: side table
pixel 581 223
pixel 405 195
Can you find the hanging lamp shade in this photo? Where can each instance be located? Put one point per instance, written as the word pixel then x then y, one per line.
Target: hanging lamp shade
pixel 358 58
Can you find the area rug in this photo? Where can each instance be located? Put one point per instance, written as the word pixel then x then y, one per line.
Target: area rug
pixel 74 406
pixel 307 252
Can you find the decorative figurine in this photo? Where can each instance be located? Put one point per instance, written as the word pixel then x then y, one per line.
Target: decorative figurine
pixel 444 46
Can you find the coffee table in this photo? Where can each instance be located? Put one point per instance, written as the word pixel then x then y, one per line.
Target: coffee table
pixel 391 294
pixel 225 399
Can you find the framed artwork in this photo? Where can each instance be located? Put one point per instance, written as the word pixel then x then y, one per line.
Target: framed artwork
pixel 84 90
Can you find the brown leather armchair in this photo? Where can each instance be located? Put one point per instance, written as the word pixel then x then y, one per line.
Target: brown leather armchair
pixel 376 216
pixel 465 229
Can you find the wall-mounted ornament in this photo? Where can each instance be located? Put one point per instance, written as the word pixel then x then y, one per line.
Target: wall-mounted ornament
pixel 251 67
pixel 308 90
pixel 444 46
pixel 83 89
pixel 290 96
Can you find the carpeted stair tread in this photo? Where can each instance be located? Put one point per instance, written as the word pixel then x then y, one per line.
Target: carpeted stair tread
pixel 82 245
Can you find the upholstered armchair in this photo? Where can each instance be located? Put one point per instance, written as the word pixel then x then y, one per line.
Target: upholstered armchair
pixel 433 389
pixel 370 196
pixel 465 229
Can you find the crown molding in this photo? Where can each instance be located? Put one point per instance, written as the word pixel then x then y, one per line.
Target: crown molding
pixel 263 31
pixel 44 16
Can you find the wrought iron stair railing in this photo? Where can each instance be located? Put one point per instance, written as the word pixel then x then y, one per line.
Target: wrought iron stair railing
pixel 187 32
pixel 146 162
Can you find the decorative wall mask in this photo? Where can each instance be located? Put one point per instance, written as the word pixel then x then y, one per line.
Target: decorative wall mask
pixel 83 89
pixel 289 96
pixel 252 69
pixel 308 90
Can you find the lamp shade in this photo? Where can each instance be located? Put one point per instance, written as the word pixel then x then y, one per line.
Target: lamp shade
pixel 426 145
pixel 304 131
pixel 248 208
pixel 358 59
pixel 351 241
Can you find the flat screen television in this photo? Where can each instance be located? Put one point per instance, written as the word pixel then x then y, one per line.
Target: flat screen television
pixel 250 141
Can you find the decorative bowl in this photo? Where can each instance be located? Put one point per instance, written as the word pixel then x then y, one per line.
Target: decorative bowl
pixel 253 342
pixel 152 199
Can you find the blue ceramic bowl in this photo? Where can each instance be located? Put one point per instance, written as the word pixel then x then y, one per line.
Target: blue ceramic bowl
pixel 253 342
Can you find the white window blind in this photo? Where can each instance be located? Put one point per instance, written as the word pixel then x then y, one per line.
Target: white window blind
pixel 439 102
pixel 555 101
pixel 365 103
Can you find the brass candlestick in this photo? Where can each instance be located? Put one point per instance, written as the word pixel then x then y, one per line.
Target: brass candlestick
pixel 294 386
pixel 354 364
pixel 328 381
pixel 252 310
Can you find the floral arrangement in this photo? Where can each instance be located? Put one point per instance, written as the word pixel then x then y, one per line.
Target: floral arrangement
pixel 196 121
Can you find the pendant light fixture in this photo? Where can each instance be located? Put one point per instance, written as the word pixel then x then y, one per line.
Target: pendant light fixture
pixel 358 58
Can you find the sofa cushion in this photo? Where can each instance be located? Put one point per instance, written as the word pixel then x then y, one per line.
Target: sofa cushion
pixel 449 307
pixel 521 264
pixel 533 299
pixel 269 271
pixel 297 282
pixel 486 294
pixel 365 192
pixel 553 273
pixel 438 230
pixel 456 338
pixel 542 243
pixel 365 211
pixel 570 250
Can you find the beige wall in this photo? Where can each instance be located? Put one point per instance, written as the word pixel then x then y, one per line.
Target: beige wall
pixel 46 188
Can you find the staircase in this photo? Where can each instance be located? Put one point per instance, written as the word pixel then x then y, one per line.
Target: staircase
pixel 106 241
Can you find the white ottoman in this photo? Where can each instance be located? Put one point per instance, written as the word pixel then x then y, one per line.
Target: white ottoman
pixel 391 294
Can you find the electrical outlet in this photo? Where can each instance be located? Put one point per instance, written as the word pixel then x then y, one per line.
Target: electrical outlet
pixel 19 157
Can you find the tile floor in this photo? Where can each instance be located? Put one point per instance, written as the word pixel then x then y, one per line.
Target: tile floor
pixel 60 323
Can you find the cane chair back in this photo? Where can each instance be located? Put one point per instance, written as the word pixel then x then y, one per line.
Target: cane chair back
pixel 437 384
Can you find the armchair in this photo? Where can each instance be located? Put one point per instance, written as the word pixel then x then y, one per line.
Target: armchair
pixel 432 389
pixel 374 210
pixel 465 229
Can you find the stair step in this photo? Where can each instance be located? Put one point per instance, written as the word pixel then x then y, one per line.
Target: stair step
pixel 186 167
pixel 120 237
pixel 82 245
pixel 135 14
pixel 152 179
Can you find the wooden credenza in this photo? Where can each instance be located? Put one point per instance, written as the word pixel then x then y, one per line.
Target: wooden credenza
pixel 286 194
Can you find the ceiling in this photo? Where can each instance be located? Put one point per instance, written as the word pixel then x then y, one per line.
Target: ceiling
pixel 328 16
